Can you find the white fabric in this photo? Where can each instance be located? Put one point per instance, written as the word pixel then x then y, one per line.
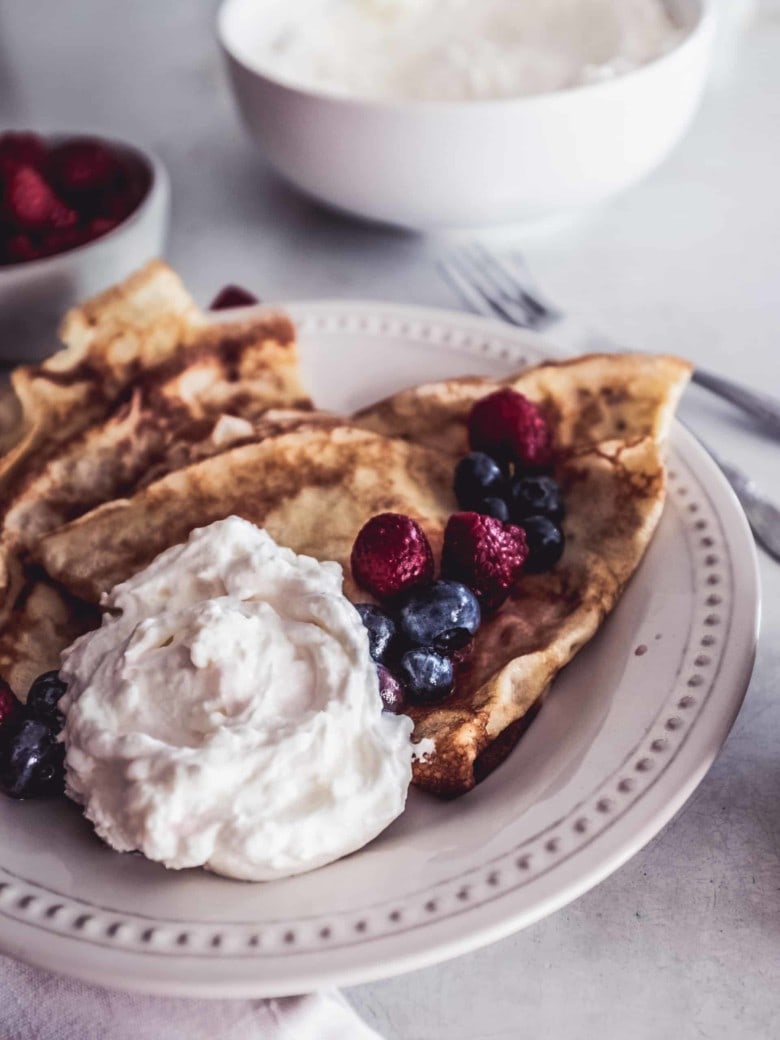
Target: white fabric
pixel 35 1005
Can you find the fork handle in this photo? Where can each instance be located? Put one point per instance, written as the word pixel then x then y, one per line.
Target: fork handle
pixel 763 407
pixel 574 337
pixel 762 514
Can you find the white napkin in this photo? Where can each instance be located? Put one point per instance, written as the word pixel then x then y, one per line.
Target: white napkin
pixel 35 1005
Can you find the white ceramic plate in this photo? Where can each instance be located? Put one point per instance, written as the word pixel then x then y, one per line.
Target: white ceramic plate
pixel 627 733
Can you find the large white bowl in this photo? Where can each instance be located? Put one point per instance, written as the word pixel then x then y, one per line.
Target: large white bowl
pixel 428 165
pixel 35 295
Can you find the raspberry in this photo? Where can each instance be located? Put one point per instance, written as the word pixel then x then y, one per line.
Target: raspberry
pixel 232 296
pixel 508 426
pixel 63 239
pixel 390 554
pixel 30 204
pixel 100 188
pixel 115 205
pixel 25 148
pixel 18 249
pixel 81 168
pixel 100 226
pixel 485 554
pixel 10 708
pixel 8 166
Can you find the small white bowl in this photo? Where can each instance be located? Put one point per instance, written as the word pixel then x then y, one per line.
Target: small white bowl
pixel 34 295
pixel 458 164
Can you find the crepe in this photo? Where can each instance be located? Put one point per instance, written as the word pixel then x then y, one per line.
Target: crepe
pixel 610 416
pixel 153 421
pixel 312 487
pixel 144 385
pixel 588 399
pixel 10 418
pixel 45 618
pixel 173 411
pixel 108 341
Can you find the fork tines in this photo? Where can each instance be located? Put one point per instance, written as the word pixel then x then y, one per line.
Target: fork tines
pixel 497 286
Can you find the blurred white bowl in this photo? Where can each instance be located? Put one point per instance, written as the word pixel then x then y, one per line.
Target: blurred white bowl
pixel 34 295
pixel 457 164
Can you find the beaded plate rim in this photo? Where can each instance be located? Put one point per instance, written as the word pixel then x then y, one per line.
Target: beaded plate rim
pixel 276 943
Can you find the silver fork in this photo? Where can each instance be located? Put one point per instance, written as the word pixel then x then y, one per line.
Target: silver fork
pixel 503 287
pixel 499 287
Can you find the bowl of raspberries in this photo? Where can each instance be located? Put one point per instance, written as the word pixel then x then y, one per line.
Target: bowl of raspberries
pixel 77 214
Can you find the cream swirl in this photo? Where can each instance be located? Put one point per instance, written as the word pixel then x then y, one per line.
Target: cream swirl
pixel 227 713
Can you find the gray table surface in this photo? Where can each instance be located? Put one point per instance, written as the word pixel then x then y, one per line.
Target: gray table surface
pixel 684 940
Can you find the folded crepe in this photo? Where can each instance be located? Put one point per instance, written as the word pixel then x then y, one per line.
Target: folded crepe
pixel 586 400
pixel 314 485
pixel 45 619
pixel 610 417
pixel 232 372
pixel 145 384
pixel 107 342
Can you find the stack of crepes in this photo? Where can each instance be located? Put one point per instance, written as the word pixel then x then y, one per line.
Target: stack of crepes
pixel 155 419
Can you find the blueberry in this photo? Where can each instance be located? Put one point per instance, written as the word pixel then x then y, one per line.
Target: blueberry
pixel 391 691
pixel 31 761
pixel 381 629
pixel 495 507
pixel 477 477
pixel 43 698
pixel 545 544
pixel 427 676
pixel 536 496
pixel 444 615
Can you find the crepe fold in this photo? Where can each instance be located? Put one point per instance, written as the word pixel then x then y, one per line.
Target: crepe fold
pixel 154 420
pixel 610 416
pixel 144 384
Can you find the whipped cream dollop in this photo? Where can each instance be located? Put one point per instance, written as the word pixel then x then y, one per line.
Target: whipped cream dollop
pixel 457 50
pixel 227 713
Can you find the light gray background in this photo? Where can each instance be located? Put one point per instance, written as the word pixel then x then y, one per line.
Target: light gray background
pixel 684 941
